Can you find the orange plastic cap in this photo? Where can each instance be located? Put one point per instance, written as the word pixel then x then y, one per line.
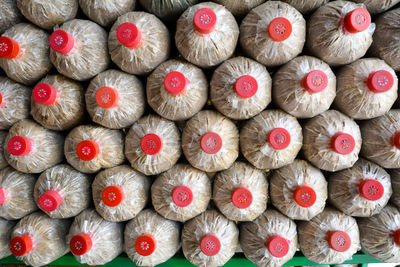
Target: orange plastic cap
pixel 182 196
pixel 21 245
pixel 50 200
pixel 151 144
pixel 380 81
pixel 357 20
pixel 278 246
pixel 62 42
pixel 279 29
pixel 87 150
pixel 210 245
pixel 113 195
pixel 20 146
pixel 279 138
pixel 45 94
pixel 211 143
pixel 175 83
pixel 205 20
pixel 371 189
pixel 129 35
pixel 343 143
pixel 9 48
pixel 107 97
pixel 339 241
pixel 145 245
pixel 315 81
pixel 305 196
pixel 242 198
pixel 246 86
pixel 81 244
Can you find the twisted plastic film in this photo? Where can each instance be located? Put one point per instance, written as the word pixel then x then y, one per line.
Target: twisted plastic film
pixel 34 61
pixel 210 222
pixel 313 236
pixel 163 231
pixel 256 41
pixel 18 189
pixel 254 235
pixel 47 14
pixel 149 54
pixel 9 15
pixel 135 187
pixel 91 54
pixel 290 93
pixel 306 6
pixel 181 175
pixel 5 236
pixel 183 105
pixel 377 6
pixel 130 103
pixel 48 238
pixel 47 147
pixel 111 144
pixel 239 7
pixel 286 180
pixel 254 142
pixel 330 41
pixel 168 10
pixel 230 103
pixel 73 187
pixel 318 133
pixel 3 161
pixel 207 50
pixel 395 179
pixel 69 109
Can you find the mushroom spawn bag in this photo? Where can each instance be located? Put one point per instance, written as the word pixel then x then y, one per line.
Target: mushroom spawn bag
pixel 9 14
pixel 239 8
pixel 5 237
pixel 168 10
pixel 306 6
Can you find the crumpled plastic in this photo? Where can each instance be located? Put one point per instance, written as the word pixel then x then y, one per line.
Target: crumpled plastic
pixel 9 15
pixel 167 10
pixel 239 8
pixel 377 6
pixel 306 6
pixel 395 179
pixel 3 161
pixel 5 236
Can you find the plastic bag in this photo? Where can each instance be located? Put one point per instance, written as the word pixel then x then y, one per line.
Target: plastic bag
pixel 239 8
pixel 167 10
pixel 3 161
pixel 395 179
pixel 5 237
pixel 306 6
pixel 9 15
pixel 377 6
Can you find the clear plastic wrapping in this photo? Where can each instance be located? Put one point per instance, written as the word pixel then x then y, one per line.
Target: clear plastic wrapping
pixel 270 240
pixel 395 179
pixel 304 87
pixel 150 239
pixel 16 194
pixel 306 6
pixel 79 49
pixel 332 141
pixel 3 161
pixel 299 190
pixel 240 88
pixel 5 237
pixel 340 32
pixel 210 239
pixel 241 192
pixel 120 193
pixel 271 139
pixel 62 192
pixel 177 90
pixel 206 34
pixel 168 10
pixel 153 145
pixel 115 99
pixel 181 193
pixel 273 33
pixel 24 56
pixel 30 148
pixel 210 141
pixel 9 15
pixel 138 42
pixel 58 103
pixel 239 7
pixel 377 6
pixel 89 148
pixel 330 237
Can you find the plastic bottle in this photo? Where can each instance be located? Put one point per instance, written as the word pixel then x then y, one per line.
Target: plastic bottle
pixel 239 8
pixel 271 139
pixel 47 14
pixel 377 6
pixel 299 190
pixel 150 239
pixel 332 141
pixel 273 33
pixel 24 53
pixel 5 236
pixel 304 87
pixel 3 161
pixel 153 145
pixel 79 49
pixel 181 193
pixel 340 32
pixel 89 148
pixel 330 237
pixel 177 90
pixel 9 14
pixel 206 34
pixel 306 6
pixel 93 240
pixel 167 10
pixel 395 180
pixel 58 103
pixel 115 99
pixel 120 193
pixel 210 141
pixel 270 240
pixel 138 42
pixel 62 192
pixel 39 240
pixel 16 194
pixel 30 148
pixel 240 88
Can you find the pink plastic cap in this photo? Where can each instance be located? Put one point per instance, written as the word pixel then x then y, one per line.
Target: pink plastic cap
pixel 3 195
pixel 87 150
pixel 278 246
pixel 315 81
pixel 204 20
pixel 343 143
pixel 246 86
pixel 371 189
pixel 62 42
pixel 20 146
pixel 9 48
pixel 211 143
pixel 145 245
pixel 339 241
pixel 380 81
pixel 107 97
pixel 210 245
pixel 81 244
pixel 113 195
pixel 151 144
pixel 21 245
pixel 242 198
pixel 305 196
pixel 279 138
pixel 50 200
pixel 357 20
pixel 182 196
pixel 129 35
pixel 395 140
pixel 45 94
pixel 175 83
pixel 279 29
pixel 396 237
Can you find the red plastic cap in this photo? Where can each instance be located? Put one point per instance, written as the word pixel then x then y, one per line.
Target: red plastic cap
pixel 3 195
pixel 246 86
pixel 151 144
pixel 107 97
pixel 371 189
pixel 45 94
pixel 357 20
pixel 50 200
pixel 9 48
pixel 380 81
pixel 242 198
pixel 339 241
pixel 343 143
pixel 210 245
pixel 278 246
pixel 87 150
pixel 129 35
pixel 113 195
pixel 211 143
pixel 396 237
pixel 279 138
pixel 21 245
pixel 175 83
pixel 2 103
pixel 204 20
pixel 145 245
pixel 182 196
pixel 62 42
pixel 80 244
pixel 315 81
pixel 20 146
pixel 395 139
pixel 305 196
pixel 279 29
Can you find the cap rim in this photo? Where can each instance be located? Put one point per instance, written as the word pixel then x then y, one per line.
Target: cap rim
pixel 21 245
pixel 210 245
pixel 357 20
pixel 343 143
pixel 242 198
pixel 151 144
pixel 371 189
pixel 62 42
pixel 50 200
pixel 107 97
pixel 316 81
pixel 380 81
pixel 246 86
pixel 339 241
pixel 20 145
pixel 145 245
pixel 44 94
pixel 87 150
pixel 205 20
pixel 81 244
pixel 279 138
pixel 278 246
pixel 113 195
pixel 279 29
pixel 9 48
pixel 182 196
pixel 175 83
pixel 305 196
pixel 129 35
pixel 211 143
